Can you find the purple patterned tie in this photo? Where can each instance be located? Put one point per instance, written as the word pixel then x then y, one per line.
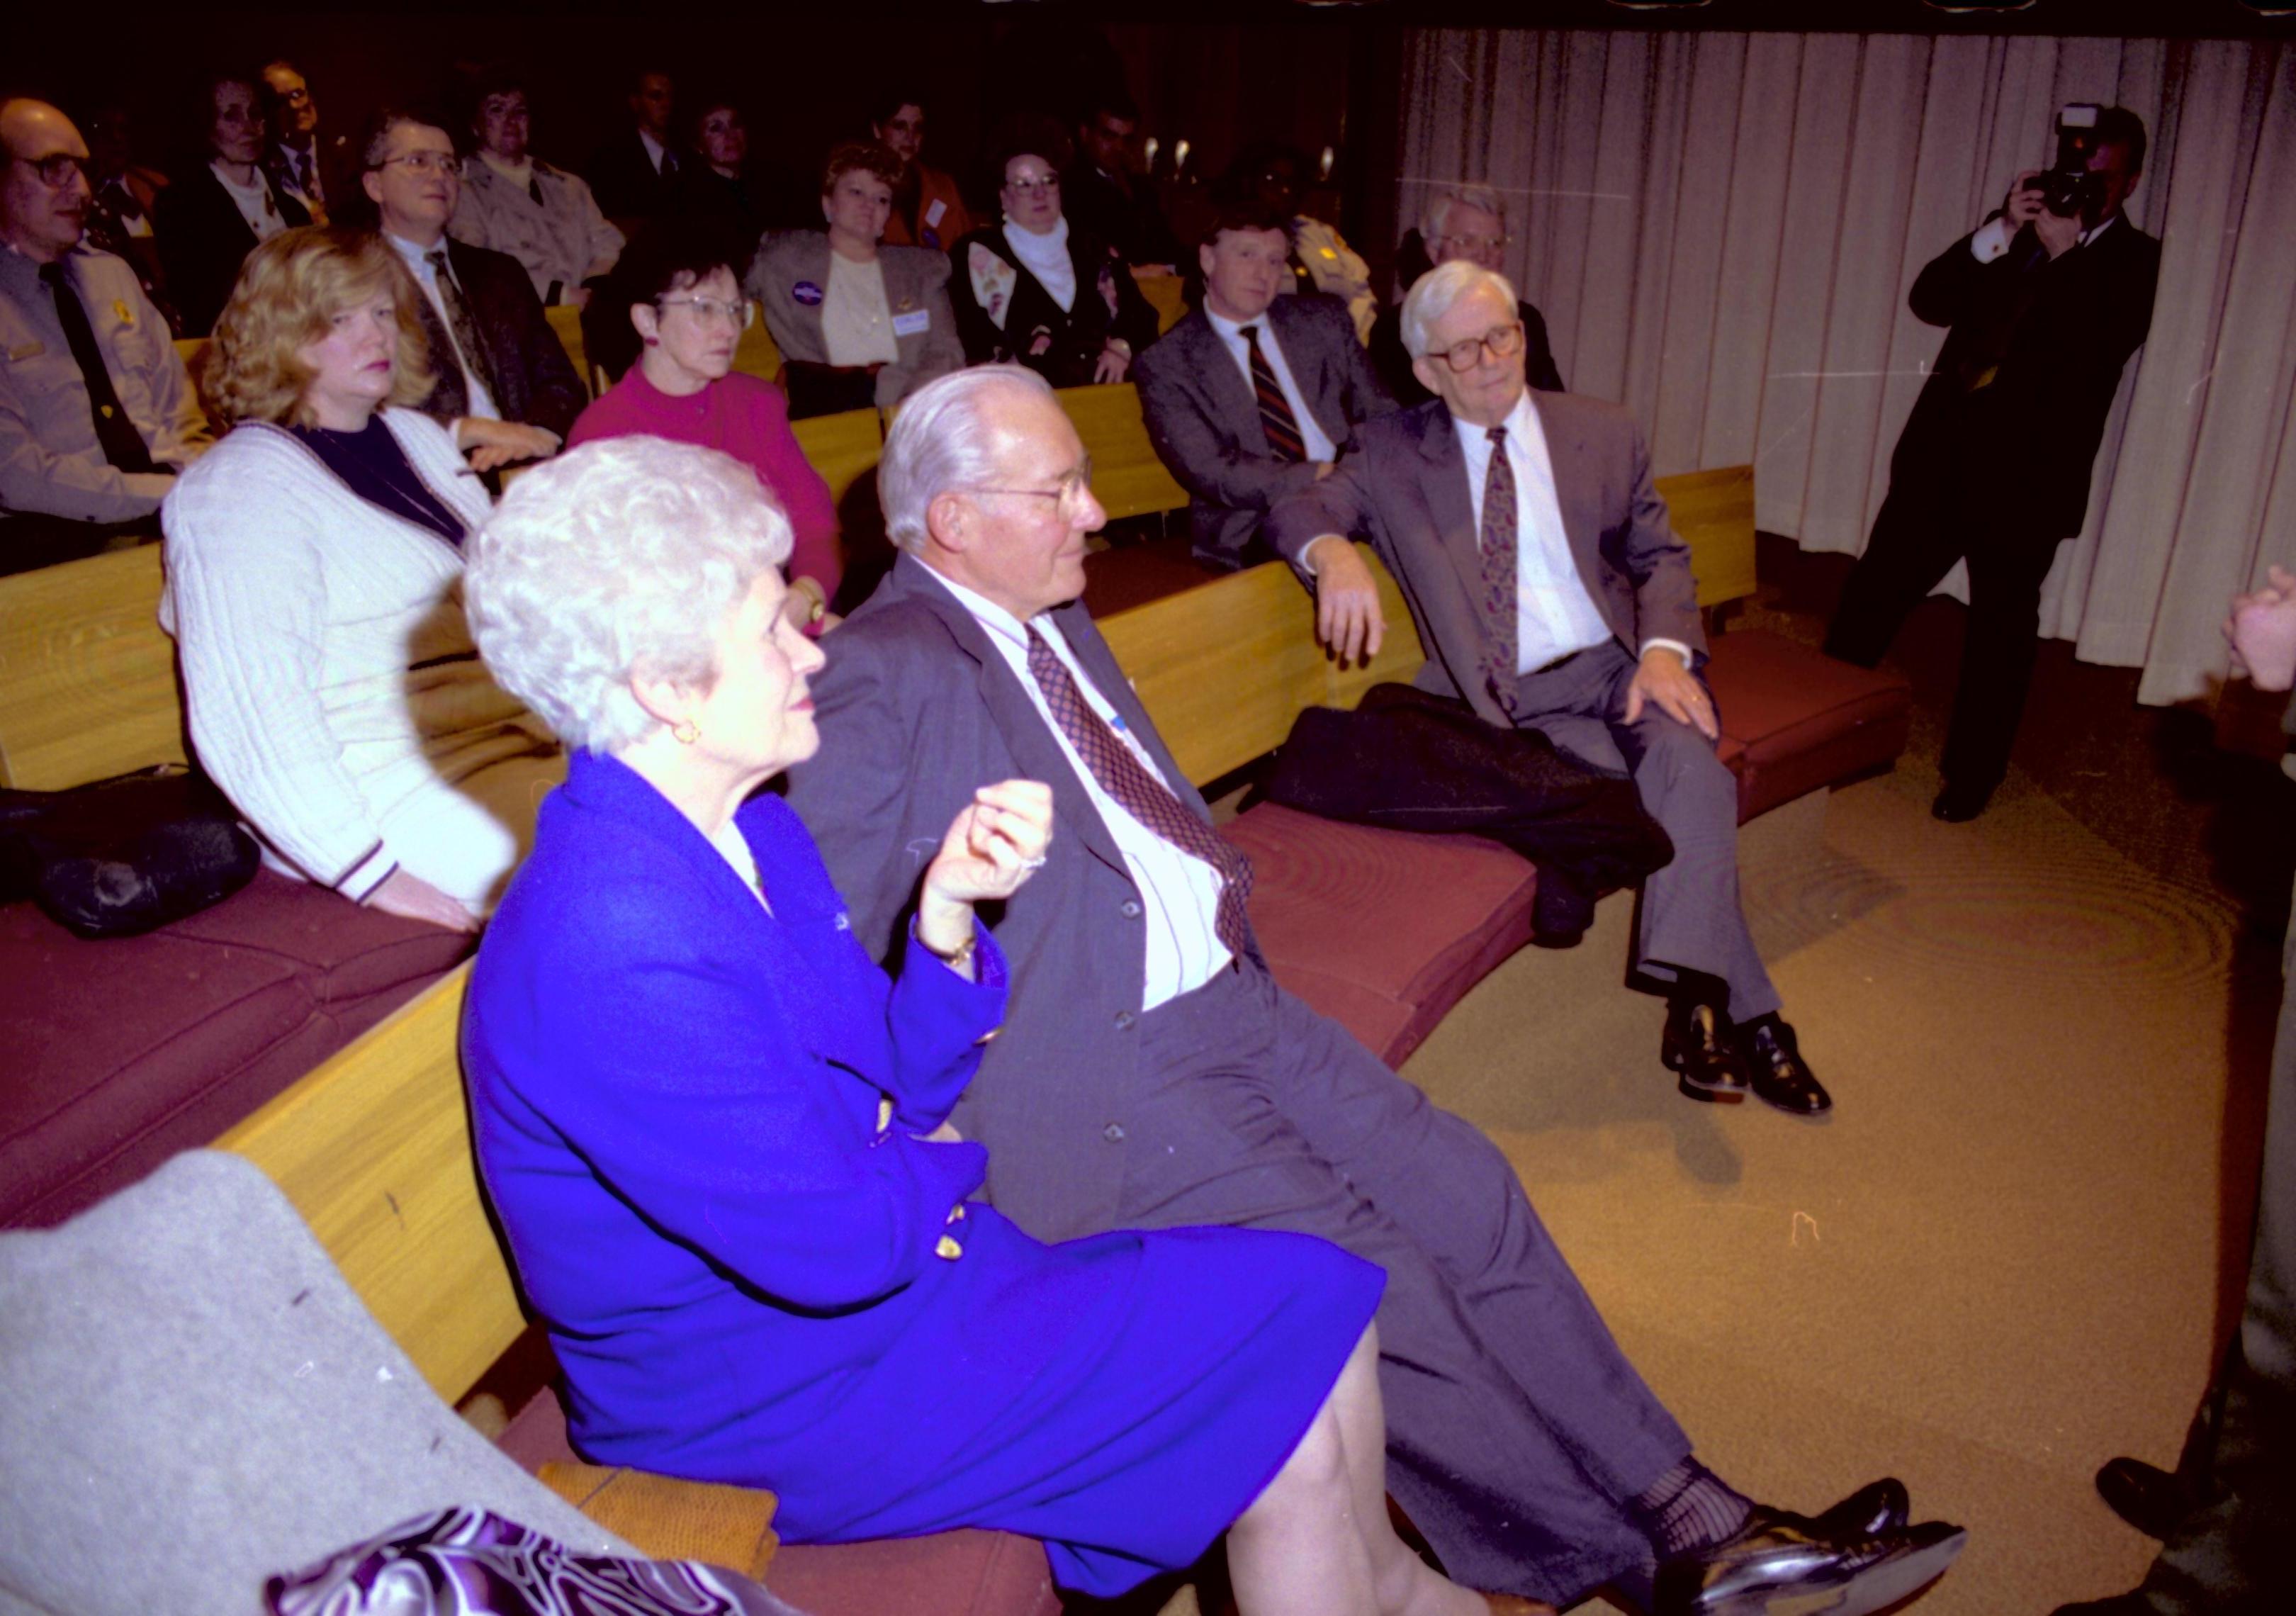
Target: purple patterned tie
pixel 1276 417
pixel 1140 793
pixel 1499 586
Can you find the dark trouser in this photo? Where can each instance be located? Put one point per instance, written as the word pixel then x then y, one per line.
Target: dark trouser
pixel 1516 1429
pixel 1921 531
pixel 1692 918
pixel 29 541
pixel 2234 1552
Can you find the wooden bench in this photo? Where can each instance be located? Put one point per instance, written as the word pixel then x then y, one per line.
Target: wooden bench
pixel 1385 931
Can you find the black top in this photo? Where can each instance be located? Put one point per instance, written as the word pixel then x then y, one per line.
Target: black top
pixel 376 468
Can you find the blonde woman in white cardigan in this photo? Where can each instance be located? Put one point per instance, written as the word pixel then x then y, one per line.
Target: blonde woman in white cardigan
pixel 315 592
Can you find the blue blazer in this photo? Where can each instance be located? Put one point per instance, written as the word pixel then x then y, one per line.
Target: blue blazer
pixel 696 1122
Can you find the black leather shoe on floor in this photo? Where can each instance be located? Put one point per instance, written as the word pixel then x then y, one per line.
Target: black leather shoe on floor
pixel 1778 1073
pixel 2148 1497
pixel 2119 1604
pixel 1877 1507
pixel 1698 1044
pixel 1781 1563
pixel 1958 804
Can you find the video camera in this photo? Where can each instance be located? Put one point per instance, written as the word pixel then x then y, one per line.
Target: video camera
pixel 2069 189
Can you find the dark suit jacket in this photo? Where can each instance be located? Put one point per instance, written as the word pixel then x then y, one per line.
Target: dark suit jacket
pixel 916 710
pixel 1131 221
pixel 623 179
pixel 1392 360
pixel 202 242
pixel 1204 420
pixel 529 375
pixel 1077 333
pixel 2054 335
pixel 1405 488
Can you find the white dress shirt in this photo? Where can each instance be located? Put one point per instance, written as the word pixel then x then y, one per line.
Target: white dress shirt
pixel 1993 237
pixel 479 403
pixel 1319 446
pixel 1554 615
pixel 654 150
pixel 255 203
pixel 1178 891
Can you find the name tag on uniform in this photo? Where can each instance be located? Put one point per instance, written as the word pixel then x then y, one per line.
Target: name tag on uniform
pixel 936 213
pixel 120 307
pixel 913 324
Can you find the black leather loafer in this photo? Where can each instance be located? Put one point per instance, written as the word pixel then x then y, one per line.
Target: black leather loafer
pixel 1877 1507
pixel 1958 804
pixel 1780 1563
pixel 1779 1075
pixel 2119 1604
pixel 1697 1044
pixel 2148 1497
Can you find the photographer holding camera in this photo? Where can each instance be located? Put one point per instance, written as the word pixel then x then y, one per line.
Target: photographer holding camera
pixel 2045 301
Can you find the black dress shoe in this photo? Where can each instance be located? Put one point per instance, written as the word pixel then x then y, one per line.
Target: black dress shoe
pixel 2119 1604
pixel 1697 1044
pixel 2148 1497
pixel 1877 1507
pixel 1960 804
pixel 1779 1074
pixel 1780 1562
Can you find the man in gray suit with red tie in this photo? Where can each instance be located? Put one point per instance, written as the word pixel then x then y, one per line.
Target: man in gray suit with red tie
pixel 1253 397
pixel 1552 594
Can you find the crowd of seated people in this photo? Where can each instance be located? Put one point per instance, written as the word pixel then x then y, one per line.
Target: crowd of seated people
pixel 650 599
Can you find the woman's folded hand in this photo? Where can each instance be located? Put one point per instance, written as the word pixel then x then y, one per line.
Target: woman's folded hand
pixel 994 844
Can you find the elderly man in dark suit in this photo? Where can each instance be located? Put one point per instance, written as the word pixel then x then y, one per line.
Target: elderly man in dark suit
pixel 1252 396
pixel 1993 467
pixel 491 346
pixel 1551 594
pixel 1150 1074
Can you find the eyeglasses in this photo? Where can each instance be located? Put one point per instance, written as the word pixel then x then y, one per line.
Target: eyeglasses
pixel 1503 341
pixel 710 309
pixel 424 162
pixel 1034 186
pixel 1071 496
pixel 1475 244
pixel 56 172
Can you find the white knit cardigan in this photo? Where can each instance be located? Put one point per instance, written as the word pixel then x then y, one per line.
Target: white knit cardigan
pixel 329 681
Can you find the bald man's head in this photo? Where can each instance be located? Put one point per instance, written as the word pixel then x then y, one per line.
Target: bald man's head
pixel 43 190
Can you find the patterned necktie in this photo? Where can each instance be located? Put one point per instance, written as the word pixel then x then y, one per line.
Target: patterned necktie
pixel 1140 793
pixel 1276 417
pixel 123 445
pixel 1499 586
pixel 464 329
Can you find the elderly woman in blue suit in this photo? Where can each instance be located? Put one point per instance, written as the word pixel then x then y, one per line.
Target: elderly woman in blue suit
pixel 716 1132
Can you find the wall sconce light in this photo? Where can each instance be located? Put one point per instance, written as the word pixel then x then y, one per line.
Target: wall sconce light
pixel 1150 149
pixel 1323 170
pixel 1180 155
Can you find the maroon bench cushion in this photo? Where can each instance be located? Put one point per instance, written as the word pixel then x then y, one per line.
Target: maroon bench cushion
pixel 1381 930
pixel 1800 720
pixel 960 1573
pixel 123 1052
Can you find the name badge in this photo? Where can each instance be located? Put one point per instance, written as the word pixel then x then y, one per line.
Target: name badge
pixel 915 324
pixel 120 307
pixel 807 294
pixel 937 212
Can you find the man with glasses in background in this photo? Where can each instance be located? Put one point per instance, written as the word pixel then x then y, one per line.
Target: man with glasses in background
pixel 301 160
pixel 1461 222
pixel 491 347
pixel 1552 594
pixel 96 413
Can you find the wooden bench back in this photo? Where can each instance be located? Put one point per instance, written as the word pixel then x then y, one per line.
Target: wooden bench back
pixel 756 354
pixel 1224 667
pixel 87 679
pixel 374 1149
pixel 1127 478
pixel 566 322
pixel 842 448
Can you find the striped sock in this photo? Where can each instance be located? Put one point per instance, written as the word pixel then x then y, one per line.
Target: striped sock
pixel 1687 1509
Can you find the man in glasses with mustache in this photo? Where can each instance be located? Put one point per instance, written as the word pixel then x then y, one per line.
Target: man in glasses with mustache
pixel 96 414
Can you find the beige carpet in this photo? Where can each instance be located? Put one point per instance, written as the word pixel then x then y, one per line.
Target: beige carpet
pixel 1996 1264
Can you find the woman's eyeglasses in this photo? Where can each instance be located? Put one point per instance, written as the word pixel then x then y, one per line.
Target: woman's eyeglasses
pixel 710 309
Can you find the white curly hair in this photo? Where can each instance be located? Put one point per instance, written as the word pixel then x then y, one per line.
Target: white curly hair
pixel 1432 294
pixel 622 557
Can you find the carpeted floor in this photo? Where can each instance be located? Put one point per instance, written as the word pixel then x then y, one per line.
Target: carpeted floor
pixel 2008 1254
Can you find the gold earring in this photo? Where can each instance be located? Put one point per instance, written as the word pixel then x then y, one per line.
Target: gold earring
pixel 686 732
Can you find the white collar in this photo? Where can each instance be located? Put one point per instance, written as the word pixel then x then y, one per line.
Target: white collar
pixel 1232 330
pixel 520 173
pixel 990 616
pixel 1519 422
pixel 417 257
pixel 253 193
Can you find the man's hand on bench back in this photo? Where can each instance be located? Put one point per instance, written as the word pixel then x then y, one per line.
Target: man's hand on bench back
pixel 1348 615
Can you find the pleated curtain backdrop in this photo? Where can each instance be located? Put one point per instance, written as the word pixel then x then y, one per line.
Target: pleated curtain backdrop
pixel 1721 230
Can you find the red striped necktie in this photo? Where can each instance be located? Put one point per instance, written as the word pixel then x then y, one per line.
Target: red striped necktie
pixel 1276 417
pixel 1140 793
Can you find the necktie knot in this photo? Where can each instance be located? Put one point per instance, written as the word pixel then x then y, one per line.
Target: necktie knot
pixel 1250 333
pixel 53 274
pixel 437 259
pixel 1497 435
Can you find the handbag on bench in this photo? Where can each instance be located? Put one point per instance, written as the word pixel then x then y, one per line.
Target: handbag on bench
pixel 121 857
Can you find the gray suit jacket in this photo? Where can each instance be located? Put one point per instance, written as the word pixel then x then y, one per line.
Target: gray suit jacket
pixel 1405 488
pixel 916 281
pixel 1205 421
pixel 916 710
